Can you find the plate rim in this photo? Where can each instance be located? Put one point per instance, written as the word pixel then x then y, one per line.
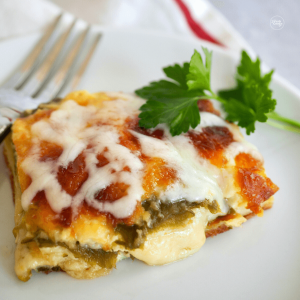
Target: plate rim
pixel 279 80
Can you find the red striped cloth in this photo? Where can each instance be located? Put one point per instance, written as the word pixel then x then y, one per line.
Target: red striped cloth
pixel 194 26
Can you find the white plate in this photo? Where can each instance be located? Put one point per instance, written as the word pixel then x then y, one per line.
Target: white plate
pixel 259 261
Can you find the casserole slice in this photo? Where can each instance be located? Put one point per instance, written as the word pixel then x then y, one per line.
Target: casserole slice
pixel 91 187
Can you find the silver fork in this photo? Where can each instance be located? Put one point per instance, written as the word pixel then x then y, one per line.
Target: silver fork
pixel 54 66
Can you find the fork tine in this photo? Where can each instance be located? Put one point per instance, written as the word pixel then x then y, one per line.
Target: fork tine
pixel 50 62
pixel 34 57
pixel 54 83
pixel 82 51
pixel 77 76
pixel 57 59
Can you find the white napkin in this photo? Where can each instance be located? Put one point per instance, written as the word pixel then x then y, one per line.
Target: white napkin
pixel 196 18
pixel 18 17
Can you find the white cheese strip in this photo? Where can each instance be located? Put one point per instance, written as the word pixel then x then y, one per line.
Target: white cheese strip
pixel 236 148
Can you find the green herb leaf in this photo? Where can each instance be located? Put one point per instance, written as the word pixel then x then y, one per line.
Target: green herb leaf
pixel 178 73
pixel 179 114
pixel 251 100
pixel 199 74
pixel 173 101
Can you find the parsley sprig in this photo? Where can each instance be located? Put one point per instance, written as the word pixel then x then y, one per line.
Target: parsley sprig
pixel 174 100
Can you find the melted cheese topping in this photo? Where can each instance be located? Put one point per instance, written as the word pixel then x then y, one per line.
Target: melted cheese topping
pixel 91 131
pixel 196 180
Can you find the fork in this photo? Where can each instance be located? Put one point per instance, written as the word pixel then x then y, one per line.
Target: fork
pixel 55 65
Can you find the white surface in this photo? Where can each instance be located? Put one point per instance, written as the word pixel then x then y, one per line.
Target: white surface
pixel 259 261
pixel 243 22
pixel 277 48
pixel 159 15
pixel 19 17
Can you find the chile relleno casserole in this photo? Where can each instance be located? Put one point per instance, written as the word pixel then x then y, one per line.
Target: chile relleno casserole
pixel 91 187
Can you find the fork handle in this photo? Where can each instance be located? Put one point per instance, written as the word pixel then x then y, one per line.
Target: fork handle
pixel 4 131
